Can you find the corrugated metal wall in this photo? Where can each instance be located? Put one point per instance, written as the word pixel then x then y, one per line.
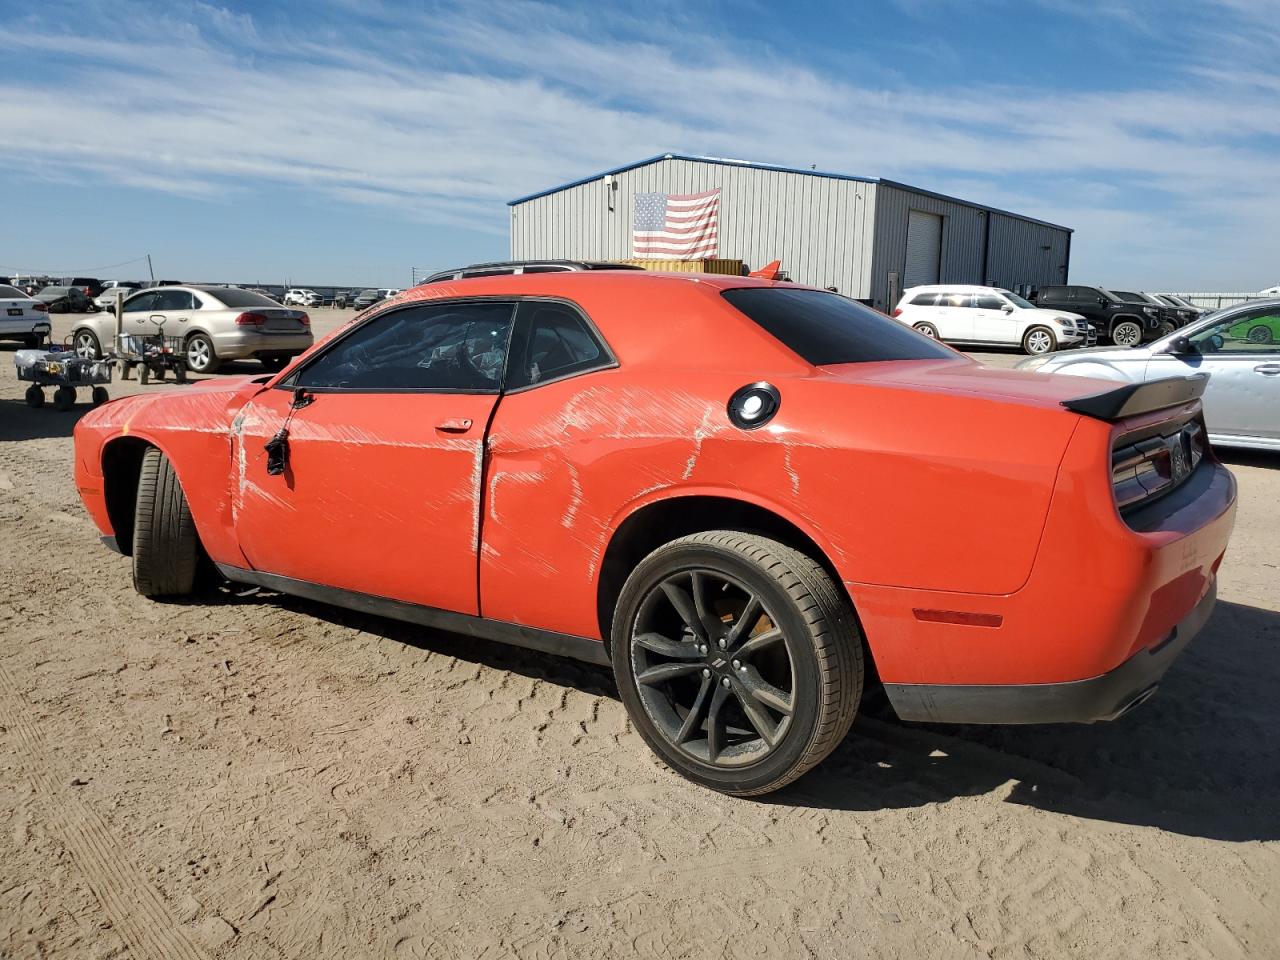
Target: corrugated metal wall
pixel 819 227
pixel 1017 253
pixel 846 233
pixel 963 234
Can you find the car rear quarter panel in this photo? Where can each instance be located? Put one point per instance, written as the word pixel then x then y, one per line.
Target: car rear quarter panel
pixel 897 486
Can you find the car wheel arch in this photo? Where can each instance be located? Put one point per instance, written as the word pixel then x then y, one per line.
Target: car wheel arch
pixel 652 522
pixel 121 465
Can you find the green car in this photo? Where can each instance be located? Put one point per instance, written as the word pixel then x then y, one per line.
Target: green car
pixel 1257 329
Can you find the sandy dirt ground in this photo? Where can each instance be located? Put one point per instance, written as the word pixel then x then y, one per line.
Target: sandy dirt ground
pixel 261 777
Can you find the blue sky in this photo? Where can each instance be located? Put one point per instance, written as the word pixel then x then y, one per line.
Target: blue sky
pixel 346 142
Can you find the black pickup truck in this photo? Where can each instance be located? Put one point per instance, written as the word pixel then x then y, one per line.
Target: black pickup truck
pixel 1124 323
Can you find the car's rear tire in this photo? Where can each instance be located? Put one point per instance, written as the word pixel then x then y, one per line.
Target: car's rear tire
pixel 200 354
pixel 165 544
pixel 1126 333
pixel 86 344
pixel 1038 341
pixel 1260 334
pixel 751 716
pixel 928 329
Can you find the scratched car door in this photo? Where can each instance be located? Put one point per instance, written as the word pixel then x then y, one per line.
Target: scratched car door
pixel 379 487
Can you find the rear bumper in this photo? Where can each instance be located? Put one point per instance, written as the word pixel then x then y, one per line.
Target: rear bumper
pixel 242 344
pixel 1103 697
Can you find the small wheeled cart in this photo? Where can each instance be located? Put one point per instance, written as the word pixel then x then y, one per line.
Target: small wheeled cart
pixel 154 355
pixel 64 370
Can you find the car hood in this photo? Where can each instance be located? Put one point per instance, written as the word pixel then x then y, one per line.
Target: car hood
pixel 1099 354
pixel 1050 312
pixel 968 377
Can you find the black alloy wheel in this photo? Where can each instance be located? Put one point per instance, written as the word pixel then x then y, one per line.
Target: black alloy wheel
pixel 738 660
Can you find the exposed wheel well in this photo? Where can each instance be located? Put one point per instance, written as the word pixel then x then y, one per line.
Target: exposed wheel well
pixel 666 520
pixel 121 465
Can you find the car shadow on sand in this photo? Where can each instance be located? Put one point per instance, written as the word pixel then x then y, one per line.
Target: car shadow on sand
pixel 20 422
pixel 1201 758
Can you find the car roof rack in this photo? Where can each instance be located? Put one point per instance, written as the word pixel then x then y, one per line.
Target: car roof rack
pixel 518 266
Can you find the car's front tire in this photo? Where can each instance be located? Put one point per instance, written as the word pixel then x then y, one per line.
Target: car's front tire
pixel 1038 341
pixel 1126 333
pixel 86 344
pixel 928 329
pixel 738 660
pixel 165 545
pixel 1260 334
pixel 201 357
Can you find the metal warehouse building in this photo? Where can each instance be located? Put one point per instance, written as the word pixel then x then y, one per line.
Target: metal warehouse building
pixel 869 238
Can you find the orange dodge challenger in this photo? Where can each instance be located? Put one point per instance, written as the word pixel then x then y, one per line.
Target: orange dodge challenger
pixel 747 497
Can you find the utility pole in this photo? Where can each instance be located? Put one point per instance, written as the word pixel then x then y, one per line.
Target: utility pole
pixel 149 270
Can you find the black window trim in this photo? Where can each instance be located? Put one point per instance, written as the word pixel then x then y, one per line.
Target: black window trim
pixel 607 355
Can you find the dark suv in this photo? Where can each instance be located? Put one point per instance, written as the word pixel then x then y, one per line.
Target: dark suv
pixel 1124 323
pixel 504 267
pixel 1170 318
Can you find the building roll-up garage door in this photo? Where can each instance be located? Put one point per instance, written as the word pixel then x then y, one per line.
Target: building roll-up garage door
pixel 924 248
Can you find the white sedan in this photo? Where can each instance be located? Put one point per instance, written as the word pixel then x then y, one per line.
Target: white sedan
pixel 22 318
pixel 968 315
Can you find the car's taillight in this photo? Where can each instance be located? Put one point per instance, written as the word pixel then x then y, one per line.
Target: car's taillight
pixel 305 320
pixel 1156 465
pixel 897 312
pixel 250 319
pixel 40 307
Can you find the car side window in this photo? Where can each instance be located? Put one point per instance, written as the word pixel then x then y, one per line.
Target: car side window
pixel 1255 333
pixel 988 301
pixel 172 300
pixel 142 302
pixel 924 300
pixel 555 341
pixel 963 300
pixel 445 347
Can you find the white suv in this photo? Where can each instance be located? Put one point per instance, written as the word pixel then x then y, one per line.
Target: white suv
pixel 989 316
pixel 302 297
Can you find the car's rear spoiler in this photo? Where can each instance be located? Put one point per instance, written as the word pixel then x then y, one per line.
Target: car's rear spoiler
pixel 1134 398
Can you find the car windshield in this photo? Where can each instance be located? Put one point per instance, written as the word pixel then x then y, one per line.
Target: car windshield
pixel 53 292
pixel 232 297
pixel 1113 297
pixel 826 328
pixel 10 293
pixel 1016 300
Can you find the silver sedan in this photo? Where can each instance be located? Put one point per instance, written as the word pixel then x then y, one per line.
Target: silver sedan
pixel 211 324
pixel 1238 347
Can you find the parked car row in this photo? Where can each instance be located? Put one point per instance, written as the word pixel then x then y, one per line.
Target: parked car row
pixel 1052 318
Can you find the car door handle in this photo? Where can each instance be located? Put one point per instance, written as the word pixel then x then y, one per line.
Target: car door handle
pixel 1268 369
pixel 456 425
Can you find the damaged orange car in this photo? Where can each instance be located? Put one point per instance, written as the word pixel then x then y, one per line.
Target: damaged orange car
pixel 751 499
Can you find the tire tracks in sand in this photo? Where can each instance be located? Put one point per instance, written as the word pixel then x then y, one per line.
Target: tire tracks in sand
pixel 135 909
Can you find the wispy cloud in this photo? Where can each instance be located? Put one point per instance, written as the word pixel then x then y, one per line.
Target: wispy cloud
pixel 441 116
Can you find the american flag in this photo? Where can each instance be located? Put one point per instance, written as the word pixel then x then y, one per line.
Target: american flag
pixel 670 226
